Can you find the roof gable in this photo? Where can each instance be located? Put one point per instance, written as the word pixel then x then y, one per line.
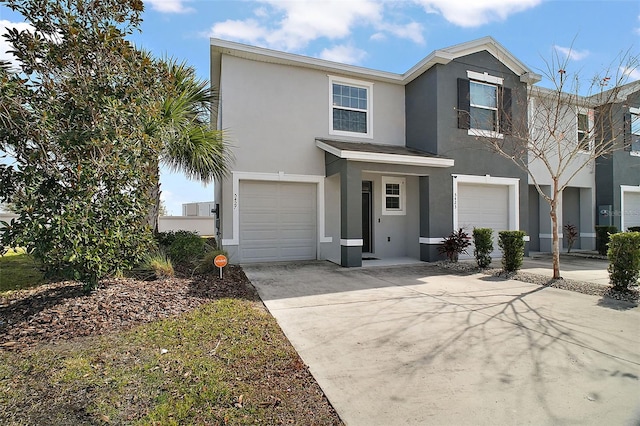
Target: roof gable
pixel 442 56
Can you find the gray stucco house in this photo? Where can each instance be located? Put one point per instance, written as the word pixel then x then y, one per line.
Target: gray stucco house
pixel 340 162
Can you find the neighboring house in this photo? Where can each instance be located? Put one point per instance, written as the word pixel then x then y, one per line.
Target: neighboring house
pixel 618 175
pixel 577 202
pixel 340 162
pixel 202 208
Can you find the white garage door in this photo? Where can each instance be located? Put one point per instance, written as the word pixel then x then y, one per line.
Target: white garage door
pixel 277 221
pixel 631 209
pixel 483 206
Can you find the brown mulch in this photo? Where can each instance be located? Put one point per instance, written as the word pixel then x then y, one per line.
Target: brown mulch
pixel 63 311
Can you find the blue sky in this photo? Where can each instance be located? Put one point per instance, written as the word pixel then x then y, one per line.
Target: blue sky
pixel 382 34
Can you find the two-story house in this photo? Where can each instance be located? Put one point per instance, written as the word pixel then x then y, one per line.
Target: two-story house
pixel 340 162
pixel 618 174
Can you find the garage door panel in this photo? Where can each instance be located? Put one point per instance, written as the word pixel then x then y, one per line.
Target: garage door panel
pixel 631 209
pixel 277 221
pixel 483 206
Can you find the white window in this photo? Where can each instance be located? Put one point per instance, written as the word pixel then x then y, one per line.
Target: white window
pixel 484 106
pixel 635 131
pixel 585 142
pixel 393 195
pixel 351 105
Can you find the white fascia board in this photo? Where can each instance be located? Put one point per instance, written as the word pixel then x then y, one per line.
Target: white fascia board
pixel 375 157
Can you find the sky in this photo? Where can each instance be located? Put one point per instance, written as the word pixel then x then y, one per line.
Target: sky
pixel 386 35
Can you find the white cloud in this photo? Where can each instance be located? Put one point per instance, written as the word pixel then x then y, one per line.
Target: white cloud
pixel 411 31
pixel 572 54
pixel 249 30
pixel 4 46
pixel 634 74
pixel 170 6
pixel 465 13
pixel 345 54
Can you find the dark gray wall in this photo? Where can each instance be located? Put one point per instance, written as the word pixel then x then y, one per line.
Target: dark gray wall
pixel 571 213
pixel 432 126
pixel 619 168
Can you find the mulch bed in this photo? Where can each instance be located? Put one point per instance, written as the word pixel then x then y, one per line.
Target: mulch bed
pixel 63 311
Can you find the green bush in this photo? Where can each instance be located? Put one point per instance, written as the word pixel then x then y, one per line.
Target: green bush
pixel 206 263
pixel 624 259
pixel 512 245
pixel 456 243
pixel 633 229
pixel 182 247
pixel 483 242
pixel 602 237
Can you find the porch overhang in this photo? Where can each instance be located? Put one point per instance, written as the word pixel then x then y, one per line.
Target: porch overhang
pixel 383 154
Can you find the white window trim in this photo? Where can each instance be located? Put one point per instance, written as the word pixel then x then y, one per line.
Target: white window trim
pixel 495 81
pixel 589 114
pixel 276 177
pixel 635 111
pixel 623 189
pixel 514 197
pixel 356 83
pixel 402 182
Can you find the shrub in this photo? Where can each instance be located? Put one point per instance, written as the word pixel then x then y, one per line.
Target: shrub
pixel 571 232
pixel 206 265
pixel 182 247
pixel 483 242
pixel 624 260
pixel 154 265
pixel 456 243
pixel 602 238
pixel 633 229
pixel 512 245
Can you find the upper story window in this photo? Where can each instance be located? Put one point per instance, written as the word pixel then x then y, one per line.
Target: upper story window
pixel 484 105
pixel 483 111
pixel 351 105
pixel 632 131
pixel 585 143
pixel 393 195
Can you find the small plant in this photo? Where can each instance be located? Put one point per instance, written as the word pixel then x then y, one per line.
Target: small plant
pixel 206 265
pixel 483 246
pixel 512 245
pixel 602 238
pixel 571 232
pixel 154 265
pixel 455 244
pixel 624 260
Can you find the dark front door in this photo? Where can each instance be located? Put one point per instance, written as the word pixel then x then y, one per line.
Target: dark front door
pixel 366 216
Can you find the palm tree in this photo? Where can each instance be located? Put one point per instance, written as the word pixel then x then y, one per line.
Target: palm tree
pixel 188 143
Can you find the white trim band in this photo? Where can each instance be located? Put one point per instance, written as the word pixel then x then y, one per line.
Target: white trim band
pixel 587 235
pixel 429 240
pixel 351 242
pixel 550 236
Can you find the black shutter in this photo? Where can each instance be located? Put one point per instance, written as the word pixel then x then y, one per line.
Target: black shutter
pixel 464 104
pixel 505 114
pixel 627 136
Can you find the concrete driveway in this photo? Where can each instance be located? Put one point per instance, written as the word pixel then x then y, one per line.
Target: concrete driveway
pixel 413 345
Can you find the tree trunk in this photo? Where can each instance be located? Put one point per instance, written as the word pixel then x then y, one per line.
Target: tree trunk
pixel 554 232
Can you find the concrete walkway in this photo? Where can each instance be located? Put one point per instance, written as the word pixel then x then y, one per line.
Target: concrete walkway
pixel 413 345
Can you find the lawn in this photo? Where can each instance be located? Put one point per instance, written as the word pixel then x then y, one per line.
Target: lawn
pixel 17 271
pixel 225 361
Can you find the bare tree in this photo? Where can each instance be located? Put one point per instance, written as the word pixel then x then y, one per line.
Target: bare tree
pixel 566 129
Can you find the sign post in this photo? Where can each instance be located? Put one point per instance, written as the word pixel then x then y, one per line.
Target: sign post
pixel 220 261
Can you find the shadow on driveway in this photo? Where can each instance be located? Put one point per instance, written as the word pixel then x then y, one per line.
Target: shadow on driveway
pixel 416 345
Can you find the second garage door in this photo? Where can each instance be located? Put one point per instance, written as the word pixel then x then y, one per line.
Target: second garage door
pixel 277 221
pixel 631 209
pixel 483 206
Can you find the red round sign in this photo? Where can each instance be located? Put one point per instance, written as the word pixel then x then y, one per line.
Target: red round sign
pixel 220 261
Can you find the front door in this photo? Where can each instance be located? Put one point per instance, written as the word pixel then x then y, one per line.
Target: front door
pixel 366 216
